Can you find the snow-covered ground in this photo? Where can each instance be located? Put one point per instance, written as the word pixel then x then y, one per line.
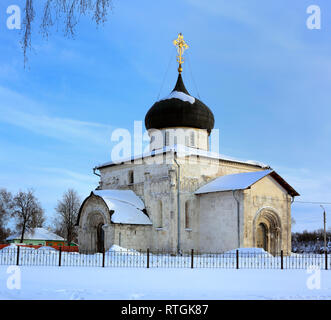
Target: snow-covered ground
pixel 125 276
pixel 140 283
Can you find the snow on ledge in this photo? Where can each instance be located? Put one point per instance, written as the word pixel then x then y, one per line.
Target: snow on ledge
pixel 182 151
pixel 181 96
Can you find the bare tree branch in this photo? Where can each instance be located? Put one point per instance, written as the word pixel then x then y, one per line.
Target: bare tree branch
pixel 29 15
pixel 67 12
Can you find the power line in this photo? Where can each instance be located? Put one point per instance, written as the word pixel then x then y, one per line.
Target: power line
pixel 191 72
pixel 165 75
pixel 295 201
pixel 313 202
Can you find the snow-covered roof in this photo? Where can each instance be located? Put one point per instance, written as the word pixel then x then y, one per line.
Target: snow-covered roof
pixel 238 181
pixel 37 234
pixel 242 181
pixel 183 151
pixel 127 196
pixel 181 96
pixel 127 206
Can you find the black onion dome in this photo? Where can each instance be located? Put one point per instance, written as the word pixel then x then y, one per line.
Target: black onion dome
pixel 175 112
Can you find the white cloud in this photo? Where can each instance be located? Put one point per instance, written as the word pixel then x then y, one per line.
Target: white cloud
pixel 81 178
pixel 23 112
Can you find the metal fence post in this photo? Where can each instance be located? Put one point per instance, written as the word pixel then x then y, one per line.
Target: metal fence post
pixel 147 258
pixel 18 256
pixel 237 259
pixel 192 257
pixel 103 257
pixel 326 259
pixel 281 259
pixel 60 254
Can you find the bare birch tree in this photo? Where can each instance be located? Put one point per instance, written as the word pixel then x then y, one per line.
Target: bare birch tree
pixel 61 12
pixel 27 211
pixel 67 210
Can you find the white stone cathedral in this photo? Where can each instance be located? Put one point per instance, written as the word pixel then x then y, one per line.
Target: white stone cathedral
pixel 180 195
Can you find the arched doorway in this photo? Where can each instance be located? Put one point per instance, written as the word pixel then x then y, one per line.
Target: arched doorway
pixel 95 223
pixel 95 230
pixel 262 237
pixel 267 231
pixel 100 238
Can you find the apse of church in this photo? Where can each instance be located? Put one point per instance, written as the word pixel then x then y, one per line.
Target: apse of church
pixel 196 199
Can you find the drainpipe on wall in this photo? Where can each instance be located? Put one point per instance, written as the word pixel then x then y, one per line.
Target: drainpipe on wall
pixel 289 231
pixel 94 172
pixel 178 204
pixel 238 216
pixel 99 175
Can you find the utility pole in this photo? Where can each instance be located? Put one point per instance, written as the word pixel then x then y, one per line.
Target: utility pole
pixel 324 220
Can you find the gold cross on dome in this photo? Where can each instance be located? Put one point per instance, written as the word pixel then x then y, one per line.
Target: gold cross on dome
pixel 181 47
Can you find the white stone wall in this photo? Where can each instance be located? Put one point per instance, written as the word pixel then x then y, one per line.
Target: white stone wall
pixel 267 194
pixel 154 182
pixel 218 222
pixel 212 217
pixel 132 236
pixel 196 172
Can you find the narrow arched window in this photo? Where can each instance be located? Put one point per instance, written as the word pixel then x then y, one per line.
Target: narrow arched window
pixel 131 177
pixel 152 139
pixel 159 215
pixel 187 215
pixel 187 141
pixel 166 138
pixel 192 139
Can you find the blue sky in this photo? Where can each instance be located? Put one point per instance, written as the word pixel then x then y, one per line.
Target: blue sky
pixel 263 73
